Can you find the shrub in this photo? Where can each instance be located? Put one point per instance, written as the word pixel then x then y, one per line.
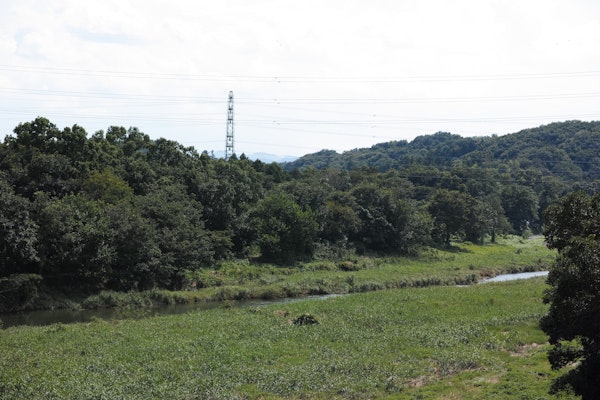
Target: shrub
pixel 306 319
pixel 110 299
pixel 17 291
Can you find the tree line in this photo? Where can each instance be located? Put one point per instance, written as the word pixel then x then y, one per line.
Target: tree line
pixel 117 210
pixel 567 151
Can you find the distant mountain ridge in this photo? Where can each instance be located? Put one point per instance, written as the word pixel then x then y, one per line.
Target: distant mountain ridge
pixel 569 149
pixel 266 158
pixel 269 158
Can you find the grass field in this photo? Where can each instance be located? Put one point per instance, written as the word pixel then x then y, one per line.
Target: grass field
pixel 476 342
pixel 418 336
pixel 463 265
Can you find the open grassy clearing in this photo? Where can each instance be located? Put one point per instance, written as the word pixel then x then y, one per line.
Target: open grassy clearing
pixel 454 342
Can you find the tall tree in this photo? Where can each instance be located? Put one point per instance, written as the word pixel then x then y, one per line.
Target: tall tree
pixel 573 320
pixel 520 204
pixel 455 213
pixel 179 233
pixel 18 233
pixel 76 246
pixel 284 231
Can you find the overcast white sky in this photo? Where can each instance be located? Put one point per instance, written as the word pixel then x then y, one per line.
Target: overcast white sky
pixel 306 74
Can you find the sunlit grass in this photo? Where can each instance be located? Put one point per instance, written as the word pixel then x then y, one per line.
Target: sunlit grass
pixel 471 342
pixel 463 264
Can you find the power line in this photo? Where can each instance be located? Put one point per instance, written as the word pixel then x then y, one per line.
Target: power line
pixel 283 101
pixel 296 78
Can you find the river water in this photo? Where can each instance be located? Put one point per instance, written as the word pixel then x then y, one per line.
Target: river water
pixel 512 277
pixel 48 317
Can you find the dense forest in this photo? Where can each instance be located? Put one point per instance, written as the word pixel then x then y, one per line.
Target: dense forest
pixel 117 210
pixel 569 151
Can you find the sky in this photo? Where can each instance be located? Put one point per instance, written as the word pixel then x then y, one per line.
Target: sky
pixel 306 75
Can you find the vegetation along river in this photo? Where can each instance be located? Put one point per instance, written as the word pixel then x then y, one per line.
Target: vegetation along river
pixel 48 317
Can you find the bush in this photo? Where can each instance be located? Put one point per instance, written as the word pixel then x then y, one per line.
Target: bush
pixel 306 319
pixel 17 291
pixel 110 299
pixel 166 297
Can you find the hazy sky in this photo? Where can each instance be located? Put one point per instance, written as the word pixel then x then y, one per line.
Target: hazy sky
pixel 306 74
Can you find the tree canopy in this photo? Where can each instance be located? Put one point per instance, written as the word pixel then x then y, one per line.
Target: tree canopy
pixel 573 321
pixel 119 210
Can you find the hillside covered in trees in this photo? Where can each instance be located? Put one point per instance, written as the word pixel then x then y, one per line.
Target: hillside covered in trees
pixel 568 151
pixel 118 210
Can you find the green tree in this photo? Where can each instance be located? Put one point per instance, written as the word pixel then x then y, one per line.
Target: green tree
pixel 494 220
pixel 17 291
pixel 520 205
pixel 137 264
pixel 107 187
pixel 456 213
pixel 339 219
pixel 76 246
pixel 475 221
pixel 178 232
pixel 284 232
pixel 225 189
pixel 18 233
pixel 389 223
pixel 40 157
pixel 573 320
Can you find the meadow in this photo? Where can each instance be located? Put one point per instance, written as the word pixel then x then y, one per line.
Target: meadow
pixel 464 264
pixel 442 342
pixel 473 342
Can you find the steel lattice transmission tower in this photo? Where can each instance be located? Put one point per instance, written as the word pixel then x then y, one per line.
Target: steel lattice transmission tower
pixel 229 138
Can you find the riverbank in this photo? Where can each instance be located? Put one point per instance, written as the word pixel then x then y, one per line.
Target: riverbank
pixel 233 282
pixel 474 342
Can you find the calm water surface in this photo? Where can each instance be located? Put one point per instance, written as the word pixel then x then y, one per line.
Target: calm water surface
pixel 513 277
pixel 49 317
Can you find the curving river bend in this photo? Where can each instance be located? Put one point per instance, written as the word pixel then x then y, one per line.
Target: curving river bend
pixel 49 317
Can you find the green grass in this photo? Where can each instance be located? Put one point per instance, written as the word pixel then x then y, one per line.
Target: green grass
pixel 476 342
pixel 464 264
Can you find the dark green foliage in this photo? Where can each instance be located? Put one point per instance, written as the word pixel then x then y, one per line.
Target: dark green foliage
pixel 76 246
pixel 389 223
pixel 520 205
pixel 306 319
pixel 17 291
pixel 284 232
pixel 107 187
pixel 120 211
pixel 178 233
pixel 339 218
pixel 456 214
pixel 18 233
pixel 559 148
pixel 573 321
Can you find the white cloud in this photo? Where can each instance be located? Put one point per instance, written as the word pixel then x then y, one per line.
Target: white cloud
pixel 376 71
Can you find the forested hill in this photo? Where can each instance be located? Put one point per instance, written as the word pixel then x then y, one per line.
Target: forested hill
pixel 118 210
pixel 568 150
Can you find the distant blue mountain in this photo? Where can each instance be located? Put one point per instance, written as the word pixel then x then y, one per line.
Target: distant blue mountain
pixel 269 158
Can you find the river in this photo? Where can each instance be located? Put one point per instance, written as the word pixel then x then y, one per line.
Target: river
pixel 48 317
pixel 512 277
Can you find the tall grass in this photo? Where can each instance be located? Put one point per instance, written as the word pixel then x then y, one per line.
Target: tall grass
pixel 464 264
pixel 471 342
